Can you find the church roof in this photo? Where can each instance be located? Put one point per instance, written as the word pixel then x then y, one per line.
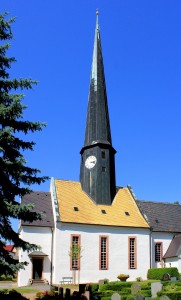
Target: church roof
pixel 76 207
pixel 174 248
pixel 43 204
pixel 97 124
pixel 162 216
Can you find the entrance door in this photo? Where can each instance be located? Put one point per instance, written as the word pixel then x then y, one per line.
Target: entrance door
pixel 37 268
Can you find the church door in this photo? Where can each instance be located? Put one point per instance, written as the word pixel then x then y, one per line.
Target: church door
pixel 37 268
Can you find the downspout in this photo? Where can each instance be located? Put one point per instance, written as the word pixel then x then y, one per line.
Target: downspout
pixel 151 247
pixel 51 265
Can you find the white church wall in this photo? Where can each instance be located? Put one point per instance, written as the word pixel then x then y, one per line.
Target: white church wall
pixel 89 262
pixel 172 262
pixel 41 236
pixel 160 237
pixel 179 263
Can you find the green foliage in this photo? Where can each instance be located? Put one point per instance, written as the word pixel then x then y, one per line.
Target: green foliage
pixel 94 287
pixel 16 176
pixel 12 294
pixel 118 286
pixel 139 279
pixel 130 297
pixel 145 285
pixel 157 273
pixel 176 295
pixel 6 278
pixel 172 290
pixel 146 293
pixel 75 251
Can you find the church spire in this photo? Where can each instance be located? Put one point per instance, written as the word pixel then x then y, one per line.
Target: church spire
pixel 97 125
pixel 97 173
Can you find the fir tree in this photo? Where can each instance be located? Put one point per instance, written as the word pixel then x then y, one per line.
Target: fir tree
pixel 16 177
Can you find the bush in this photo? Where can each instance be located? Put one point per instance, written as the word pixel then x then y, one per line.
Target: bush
pixel 157 273
pixel 146 293
pixel 6 278
pixel 93 287
pixel 118 286
pixel 171 295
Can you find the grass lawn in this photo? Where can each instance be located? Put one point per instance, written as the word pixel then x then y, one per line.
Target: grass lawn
pixel 22 290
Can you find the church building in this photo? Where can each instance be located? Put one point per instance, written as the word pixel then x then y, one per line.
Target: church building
pixel 94 229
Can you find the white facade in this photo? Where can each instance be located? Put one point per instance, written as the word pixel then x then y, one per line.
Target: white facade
pixel 165 239
pixel 118 252
pixel 89 261
pixel 173 262
pixel 41 236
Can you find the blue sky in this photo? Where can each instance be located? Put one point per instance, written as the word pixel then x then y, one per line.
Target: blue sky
pixel 53 43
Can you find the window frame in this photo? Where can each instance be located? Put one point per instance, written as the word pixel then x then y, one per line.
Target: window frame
pixel 130 238
pixel 160 250
pixel 71 245
pixel 100 252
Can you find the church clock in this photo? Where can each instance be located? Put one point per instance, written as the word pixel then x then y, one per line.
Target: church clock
pixel 90 162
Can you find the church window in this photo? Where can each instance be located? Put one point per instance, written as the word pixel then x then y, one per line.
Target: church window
pixel 103 253
pixel 132 253
pixel 158 252
pixel 75 250
pixel 103 154
pixel 103 169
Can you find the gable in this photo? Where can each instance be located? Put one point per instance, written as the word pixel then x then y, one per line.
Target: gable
pixel 75 206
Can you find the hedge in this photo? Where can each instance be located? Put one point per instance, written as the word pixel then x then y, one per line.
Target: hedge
pixel 115 286
pixel 157 273
pixel 172 296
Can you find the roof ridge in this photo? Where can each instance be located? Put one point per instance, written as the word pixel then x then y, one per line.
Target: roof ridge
pixel 157 202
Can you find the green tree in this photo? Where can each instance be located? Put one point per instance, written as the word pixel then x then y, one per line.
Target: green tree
pixel 16 177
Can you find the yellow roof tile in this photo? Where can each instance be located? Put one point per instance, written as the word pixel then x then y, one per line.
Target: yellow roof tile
pixel 70 195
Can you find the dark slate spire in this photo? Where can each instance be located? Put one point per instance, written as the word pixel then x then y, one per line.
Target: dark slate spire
pixel 97 173
pixel 97 125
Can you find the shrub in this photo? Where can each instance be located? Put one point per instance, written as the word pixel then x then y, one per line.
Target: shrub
pixel 171 295
pixel 130 297
pixel 146 293
pixel 145 285
pixel 6 278
pixel 157 273
pixel 118 286
pixel 93 287
pixel 139 279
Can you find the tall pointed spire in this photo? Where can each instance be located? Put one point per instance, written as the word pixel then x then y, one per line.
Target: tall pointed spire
pixel 97 125
pixel 97 173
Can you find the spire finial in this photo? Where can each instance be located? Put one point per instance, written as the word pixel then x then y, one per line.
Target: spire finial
pixel 97 22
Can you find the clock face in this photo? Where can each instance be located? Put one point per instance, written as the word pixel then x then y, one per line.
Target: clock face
pixel 90 162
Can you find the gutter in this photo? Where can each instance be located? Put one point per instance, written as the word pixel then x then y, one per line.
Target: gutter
pixel 51 264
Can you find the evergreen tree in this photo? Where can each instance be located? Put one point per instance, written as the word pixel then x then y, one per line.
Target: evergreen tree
pixel 15 176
